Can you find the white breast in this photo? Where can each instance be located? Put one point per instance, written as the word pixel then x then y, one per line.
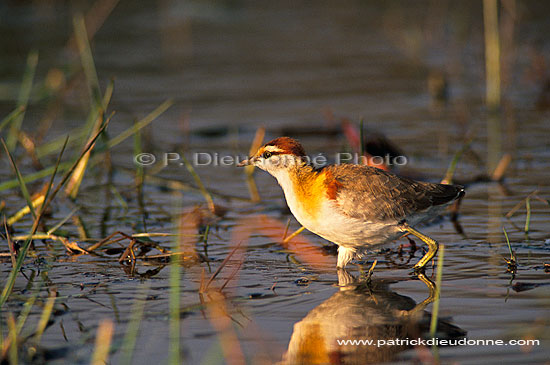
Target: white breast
pixel 334 226
pixel 293 203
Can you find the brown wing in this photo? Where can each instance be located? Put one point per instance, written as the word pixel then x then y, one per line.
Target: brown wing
pixel 372 194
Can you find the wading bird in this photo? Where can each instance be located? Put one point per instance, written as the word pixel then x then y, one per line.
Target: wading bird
pixel 354 206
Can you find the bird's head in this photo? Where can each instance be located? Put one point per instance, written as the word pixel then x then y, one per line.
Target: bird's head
pixel 278 155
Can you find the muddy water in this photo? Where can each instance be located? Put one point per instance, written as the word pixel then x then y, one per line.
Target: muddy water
pixel 234 66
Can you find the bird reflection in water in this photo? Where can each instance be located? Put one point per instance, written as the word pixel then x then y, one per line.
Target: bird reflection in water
pixel 363 311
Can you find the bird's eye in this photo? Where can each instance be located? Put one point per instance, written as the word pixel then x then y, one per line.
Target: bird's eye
pixel 267 155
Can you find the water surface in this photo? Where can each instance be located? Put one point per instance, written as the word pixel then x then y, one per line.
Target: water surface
pixel 233 66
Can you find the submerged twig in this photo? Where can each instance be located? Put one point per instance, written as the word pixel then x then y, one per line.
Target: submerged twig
pixel 233 274
pixel 286 228
pixel 222 265
pixel 519 204
pixel 108 239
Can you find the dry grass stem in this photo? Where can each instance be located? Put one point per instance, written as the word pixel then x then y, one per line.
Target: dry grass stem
pixel 103 342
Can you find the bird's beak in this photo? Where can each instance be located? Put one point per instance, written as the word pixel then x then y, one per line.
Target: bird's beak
pixel 249 161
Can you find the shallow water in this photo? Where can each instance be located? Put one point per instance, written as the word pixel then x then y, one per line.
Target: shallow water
pixel 234 66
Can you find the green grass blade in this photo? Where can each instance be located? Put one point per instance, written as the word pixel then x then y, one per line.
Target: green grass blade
pixel 22 318
pixel 46 313
pixel 53 146
pixel 34 176
pixel 22 185
pixel 87 60
pixel 140 124
pixel 11 116
pixel 12 333
pixel 528 217
pixel 207 196
pixel 492 54
pixel 129 342
pixel 98 102
pixel 508 242
pixel 63 221
pixel 108 94
pixel 24 211
pixel 68 174
pixel 47 198
pixel 8 287
pixel 78 175
pixel 435 310
pixel 137 152
pixel 175 273
pixel 23 98
pixel 448 178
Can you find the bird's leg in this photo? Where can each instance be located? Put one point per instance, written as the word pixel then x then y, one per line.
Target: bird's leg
pixel 432 245
pixel 345 255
